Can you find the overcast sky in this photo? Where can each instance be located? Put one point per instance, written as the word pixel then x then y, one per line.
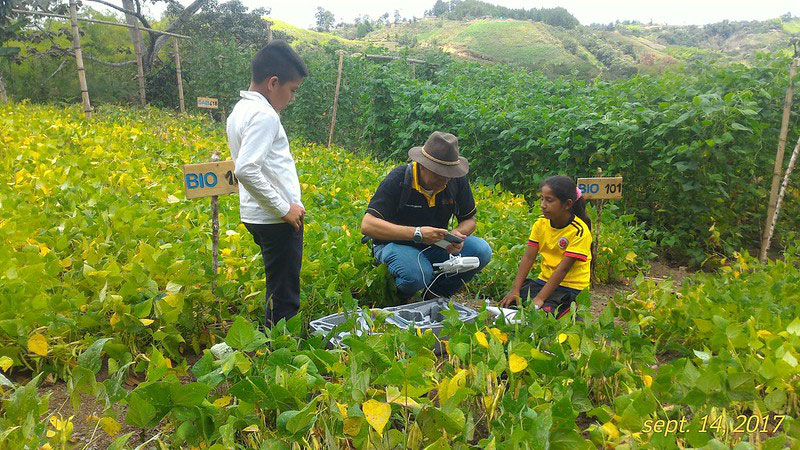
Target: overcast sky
pixel 676 12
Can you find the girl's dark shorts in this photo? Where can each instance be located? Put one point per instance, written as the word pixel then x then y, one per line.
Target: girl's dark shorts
pixel 557 304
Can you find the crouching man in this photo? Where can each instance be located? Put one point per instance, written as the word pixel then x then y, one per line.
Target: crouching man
pixel 410 212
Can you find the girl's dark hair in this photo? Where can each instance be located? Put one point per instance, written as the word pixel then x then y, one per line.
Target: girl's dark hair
pixel 277 59
pixel 565 189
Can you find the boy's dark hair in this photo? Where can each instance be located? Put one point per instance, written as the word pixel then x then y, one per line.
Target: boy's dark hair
pixel 565 189
pixel 277 59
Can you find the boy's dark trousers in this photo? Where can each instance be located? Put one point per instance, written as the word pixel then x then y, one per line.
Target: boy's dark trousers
pixel 282 250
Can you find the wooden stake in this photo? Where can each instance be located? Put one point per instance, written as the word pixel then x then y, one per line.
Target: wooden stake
pixel 179 74
pixel 776 173
pixel 76 42
pixel 596 240
pixel 784 185
pixel 269 32
pixel 137 48
pixel 214 234
pixel 336 98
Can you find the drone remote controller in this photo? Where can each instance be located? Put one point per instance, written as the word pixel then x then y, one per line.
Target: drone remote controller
pixel 458 264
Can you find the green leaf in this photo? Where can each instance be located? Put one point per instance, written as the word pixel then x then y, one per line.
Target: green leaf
pixel 243 336
pixel 189 395
pixel 140 412
pixel 90 358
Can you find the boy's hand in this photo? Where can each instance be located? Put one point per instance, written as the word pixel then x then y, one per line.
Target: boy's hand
pixel 431 235
pixel 511 298
pixel 295 216
pixel 454 248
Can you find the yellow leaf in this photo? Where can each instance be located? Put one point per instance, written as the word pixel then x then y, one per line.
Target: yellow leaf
pixel 114 319
pixel 377 414
pixel 481 338
pixel 406 401
pixel 38 344
pixel 763 333
pixel 172 199
pixel 352 426
pixel 630 257
pixel 537 354
pixel 252 428
pixel 50 433
pixel 222 401
pixel 342 409
pixel 561 338
pixel 146 322
pixel 110 426
pixel 66 262
pixel 647 380
pixel 5 363
pixel 43 249
pixel 611 430
pixel 517 363
pixel 502 337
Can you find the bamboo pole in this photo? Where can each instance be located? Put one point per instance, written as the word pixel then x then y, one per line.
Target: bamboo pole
pixel 179 74
pixel 776 173
pixel 102 22
pixel 782 193
pixel 137 48
pixel 76 40
pixel 336 98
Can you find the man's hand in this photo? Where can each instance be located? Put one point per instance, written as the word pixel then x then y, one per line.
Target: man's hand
pixel 511 298
pixel 454 248
pixel 431 235
pixel 295 216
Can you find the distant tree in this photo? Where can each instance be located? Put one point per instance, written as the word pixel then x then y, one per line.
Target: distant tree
pixel 439 8
pixel 325 19
pixel 397 17
pixel 384 18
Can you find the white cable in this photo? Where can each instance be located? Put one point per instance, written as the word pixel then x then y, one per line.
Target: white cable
pixel 427 286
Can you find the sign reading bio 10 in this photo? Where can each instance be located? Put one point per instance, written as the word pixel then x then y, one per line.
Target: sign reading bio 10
pixel 601 188
pixel 208 179
pixel 207 103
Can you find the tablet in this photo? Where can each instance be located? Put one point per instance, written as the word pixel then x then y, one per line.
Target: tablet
pixel 449 238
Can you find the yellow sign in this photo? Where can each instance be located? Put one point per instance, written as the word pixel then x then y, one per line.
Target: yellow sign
pixel 601 188
pixel 207 179
pixel 207 103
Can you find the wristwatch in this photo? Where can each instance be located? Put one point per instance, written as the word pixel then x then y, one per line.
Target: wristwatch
pixel 417 235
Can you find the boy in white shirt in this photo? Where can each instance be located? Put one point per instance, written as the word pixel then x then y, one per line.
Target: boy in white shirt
pixel 269 190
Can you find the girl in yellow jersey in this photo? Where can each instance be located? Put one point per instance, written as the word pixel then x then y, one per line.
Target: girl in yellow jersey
pixel 562 235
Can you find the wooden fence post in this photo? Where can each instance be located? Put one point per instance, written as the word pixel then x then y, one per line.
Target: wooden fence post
pixel 137 48
pixel 269 31
pixel 179 74
pixel 3 95
pixel 336 98
pixel 776 173
pixel 784 186
pixel 76 42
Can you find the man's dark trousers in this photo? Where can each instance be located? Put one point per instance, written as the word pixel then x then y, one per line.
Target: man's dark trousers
pixel 282 250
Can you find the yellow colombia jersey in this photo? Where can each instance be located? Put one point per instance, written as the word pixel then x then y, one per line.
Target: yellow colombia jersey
pixel 574 240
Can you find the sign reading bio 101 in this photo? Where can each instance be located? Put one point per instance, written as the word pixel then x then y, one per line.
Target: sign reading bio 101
pixel 208 179
pixel 207 103
pixel 601 188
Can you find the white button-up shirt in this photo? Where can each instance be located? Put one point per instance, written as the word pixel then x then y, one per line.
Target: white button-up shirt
pixel 265 168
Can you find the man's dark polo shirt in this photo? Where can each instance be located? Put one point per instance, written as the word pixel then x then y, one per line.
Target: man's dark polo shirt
pixel 419 211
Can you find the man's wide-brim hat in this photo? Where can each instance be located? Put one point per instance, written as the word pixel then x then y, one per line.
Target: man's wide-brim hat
pixel 440 155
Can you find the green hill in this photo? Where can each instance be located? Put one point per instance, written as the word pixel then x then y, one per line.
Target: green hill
pixel 609 51
pixel 535 45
